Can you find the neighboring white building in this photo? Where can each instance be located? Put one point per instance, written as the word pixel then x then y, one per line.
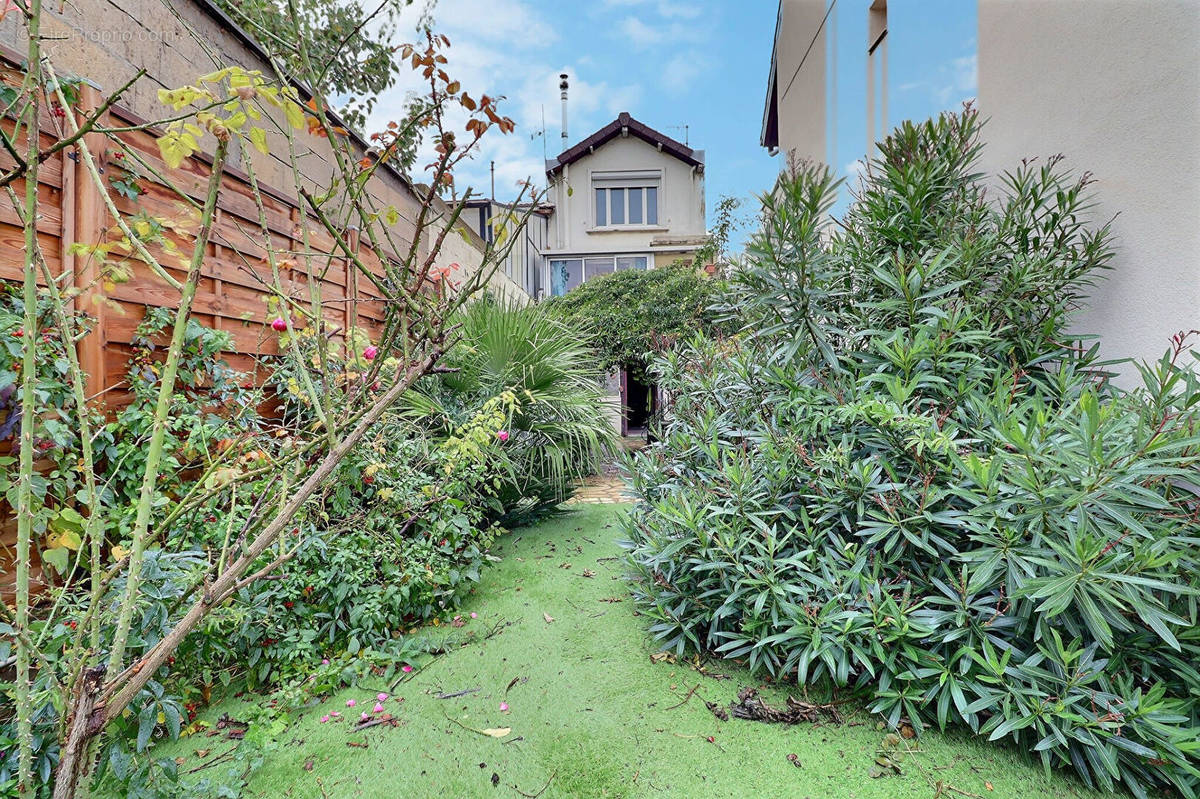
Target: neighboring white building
pixel 626 197
pixel 843 73
pixel 1113 85
pixel 524 264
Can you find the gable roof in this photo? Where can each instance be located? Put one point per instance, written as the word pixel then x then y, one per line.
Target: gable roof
pixel 626 125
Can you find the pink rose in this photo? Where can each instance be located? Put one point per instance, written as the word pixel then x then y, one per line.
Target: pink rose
pixel 378 708
pixel 502 436
pixel 324 719
pixel 350 703
pixel 381 697
pixel 474 615
pixel 279 324
pixel 406 669
pixel 504 707
pixel 370 352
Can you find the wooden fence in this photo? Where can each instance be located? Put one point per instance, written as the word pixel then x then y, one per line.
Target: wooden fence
pixel 235 277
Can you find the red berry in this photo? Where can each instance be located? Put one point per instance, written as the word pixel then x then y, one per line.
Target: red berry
pixel 18 333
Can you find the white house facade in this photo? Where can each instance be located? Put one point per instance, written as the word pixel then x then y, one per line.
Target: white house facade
pixel 626 197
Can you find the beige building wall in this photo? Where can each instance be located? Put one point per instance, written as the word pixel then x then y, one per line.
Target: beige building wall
pixel 1114 85
pixel 800 81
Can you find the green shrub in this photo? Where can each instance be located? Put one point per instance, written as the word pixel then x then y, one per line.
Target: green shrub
pixel 631 314
pixel 908 478
pixel 541 382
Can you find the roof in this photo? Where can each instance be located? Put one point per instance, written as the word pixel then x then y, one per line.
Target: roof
pixel 626 125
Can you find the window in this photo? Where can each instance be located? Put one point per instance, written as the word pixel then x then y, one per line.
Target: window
pixel 567 273
pixel 594 267
pixel 626 198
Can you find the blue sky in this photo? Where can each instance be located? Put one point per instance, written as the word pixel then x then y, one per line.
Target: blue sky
pixel 670 63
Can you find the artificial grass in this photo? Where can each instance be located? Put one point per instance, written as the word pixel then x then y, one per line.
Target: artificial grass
pixel 591 715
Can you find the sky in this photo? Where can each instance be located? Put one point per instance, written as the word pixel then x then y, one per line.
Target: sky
pixel 692 69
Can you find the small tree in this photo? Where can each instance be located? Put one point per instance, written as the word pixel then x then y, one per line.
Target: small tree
pixel 347 381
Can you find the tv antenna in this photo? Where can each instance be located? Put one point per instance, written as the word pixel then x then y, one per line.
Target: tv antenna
pixel 541 132
pixel 684 128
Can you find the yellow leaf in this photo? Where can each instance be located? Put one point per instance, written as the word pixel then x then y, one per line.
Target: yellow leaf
pixel 119 552
pixel 295 114
pixel 213 77
pixel 499 732
pixel 258 137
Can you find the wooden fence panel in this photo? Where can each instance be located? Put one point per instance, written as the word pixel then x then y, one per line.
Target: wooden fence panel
pixel 235 278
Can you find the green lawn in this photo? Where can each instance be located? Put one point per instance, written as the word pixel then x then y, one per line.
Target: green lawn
pixel 591 715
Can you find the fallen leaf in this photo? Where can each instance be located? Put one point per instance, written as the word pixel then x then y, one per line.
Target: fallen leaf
pixel 794 759
pixel 179 761
pixel 988 785
pixel 660 657
pixel 497 732
pixel 588 573
pixel 495 779
pixel 202 752
pixel 308 765
pixel 548 618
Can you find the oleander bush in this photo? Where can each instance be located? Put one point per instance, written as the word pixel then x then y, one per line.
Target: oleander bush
pixel 910 479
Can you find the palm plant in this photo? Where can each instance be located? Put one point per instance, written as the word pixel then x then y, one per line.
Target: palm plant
pixel 550 383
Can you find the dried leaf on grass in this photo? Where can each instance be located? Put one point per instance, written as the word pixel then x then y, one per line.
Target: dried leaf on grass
pixel 750 706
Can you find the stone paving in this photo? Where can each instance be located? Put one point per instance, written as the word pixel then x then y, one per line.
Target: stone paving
pixel 601 489
pixel 607 487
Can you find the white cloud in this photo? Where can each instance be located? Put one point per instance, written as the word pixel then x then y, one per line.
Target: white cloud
pixel 639 33
pixel 682 70
pixel 510 22
pixel 668 9
pixel 958 80
pixel 496 48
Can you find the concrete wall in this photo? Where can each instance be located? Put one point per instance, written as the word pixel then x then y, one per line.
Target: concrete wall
pixel 680 201
pixel 1115 86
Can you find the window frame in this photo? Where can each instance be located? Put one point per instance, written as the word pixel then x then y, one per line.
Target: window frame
pixel 647 183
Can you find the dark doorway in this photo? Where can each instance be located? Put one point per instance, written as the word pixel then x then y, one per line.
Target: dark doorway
pixel 637 404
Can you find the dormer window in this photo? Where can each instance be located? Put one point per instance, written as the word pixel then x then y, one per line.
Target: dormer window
pixel 626 199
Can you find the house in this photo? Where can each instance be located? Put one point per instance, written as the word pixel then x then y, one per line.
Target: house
pixel 625 197
pixel 1113 86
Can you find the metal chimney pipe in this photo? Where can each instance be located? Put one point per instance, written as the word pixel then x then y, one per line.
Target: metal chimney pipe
pixel 562 85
